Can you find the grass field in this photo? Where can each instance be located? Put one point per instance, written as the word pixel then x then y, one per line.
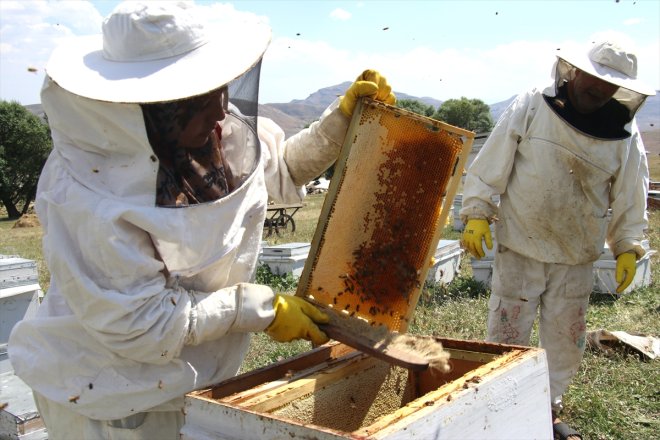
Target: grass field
pixel 612 397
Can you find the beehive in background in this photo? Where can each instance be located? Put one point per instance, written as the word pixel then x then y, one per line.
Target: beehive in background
pixel 383 215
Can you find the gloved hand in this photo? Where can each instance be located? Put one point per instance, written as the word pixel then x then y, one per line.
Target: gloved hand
pixel 626 265
pixel 370 83
pixel 295 318
pixel 476 230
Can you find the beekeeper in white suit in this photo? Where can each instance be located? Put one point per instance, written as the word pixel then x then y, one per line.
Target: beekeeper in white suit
pixel 559 159
pixel 152 203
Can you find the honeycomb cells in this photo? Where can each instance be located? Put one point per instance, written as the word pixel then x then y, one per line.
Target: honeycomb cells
pixel 374 243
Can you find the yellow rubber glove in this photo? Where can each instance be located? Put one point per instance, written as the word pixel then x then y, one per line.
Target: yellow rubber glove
pixel 295 318
pixel 626 265
pixel 476 231
pixel 370 83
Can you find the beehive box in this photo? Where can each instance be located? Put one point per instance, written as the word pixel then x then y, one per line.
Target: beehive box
pixel 446 262
pixel 20 296
pixel 288 258
pixel 379 228
pixel 334 392
pixel 605 271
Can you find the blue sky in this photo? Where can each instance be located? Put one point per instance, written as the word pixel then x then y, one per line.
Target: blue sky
pixel 443 49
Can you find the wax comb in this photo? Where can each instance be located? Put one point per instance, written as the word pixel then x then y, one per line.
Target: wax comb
pixel 388 200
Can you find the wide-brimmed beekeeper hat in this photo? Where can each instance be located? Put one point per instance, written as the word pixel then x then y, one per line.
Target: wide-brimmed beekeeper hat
pixel 157 51
pixel 610 62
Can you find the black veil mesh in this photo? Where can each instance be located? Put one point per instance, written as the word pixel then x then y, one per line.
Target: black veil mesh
pixel 565 71
pixel 244 94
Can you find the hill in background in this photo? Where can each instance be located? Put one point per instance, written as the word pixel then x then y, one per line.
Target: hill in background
pixel 299 113
pixel 295 115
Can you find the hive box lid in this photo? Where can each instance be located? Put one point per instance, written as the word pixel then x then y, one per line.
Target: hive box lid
pixel 16 271
pixel 19 419
pixel 446 247
pixel 286 250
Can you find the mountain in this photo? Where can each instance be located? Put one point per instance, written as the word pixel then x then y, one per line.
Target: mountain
pixel 648 117
pixel 297 114
pixel 302 112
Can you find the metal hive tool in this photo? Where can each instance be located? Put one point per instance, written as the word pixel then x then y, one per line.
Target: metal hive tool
pixel 391 192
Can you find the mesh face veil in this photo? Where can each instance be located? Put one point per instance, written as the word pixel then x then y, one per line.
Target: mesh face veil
pixel 565 71
pixel 191 174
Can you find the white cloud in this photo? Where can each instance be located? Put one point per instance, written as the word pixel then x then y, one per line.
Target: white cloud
pixel 29 31
pixel 632 21
pixel 340 14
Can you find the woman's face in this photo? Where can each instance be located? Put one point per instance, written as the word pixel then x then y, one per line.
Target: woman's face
pixel 209 109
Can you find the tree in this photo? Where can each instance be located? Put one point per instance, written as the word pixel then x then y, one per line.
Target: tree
pixel 416 107
pixel 25 143
pixel 471 114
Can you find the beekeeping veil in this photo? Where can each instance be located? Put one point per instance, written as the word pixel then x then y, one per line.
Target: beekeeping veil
pixel 610 62
pixel 149 53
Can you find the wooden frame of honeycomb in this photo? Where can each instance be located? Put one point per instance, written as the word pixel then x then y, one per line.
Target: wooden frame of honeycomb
pixel 389 198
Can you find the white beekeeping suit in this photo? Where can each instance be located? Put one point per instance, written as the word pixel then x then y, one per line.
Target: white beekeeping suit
pixel 148 302
pixel 558 169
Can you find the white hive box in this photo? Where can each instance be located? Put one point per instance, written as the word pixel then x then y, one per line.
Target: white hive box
pixel 458 203
pixel 19 419
pixel 447 262
pixel 334 392
pixel 286 258
pixel 605 272
pixel 20 296
pixel 482 270
pixel 16 271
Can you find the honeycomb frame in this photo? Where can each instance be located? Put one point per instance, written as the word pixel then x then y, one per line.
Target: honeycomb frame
pixel 389 198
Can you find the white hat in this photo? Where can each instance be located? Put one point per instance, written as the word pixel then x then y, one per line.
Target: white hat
pixel 611 63
pixel 156 52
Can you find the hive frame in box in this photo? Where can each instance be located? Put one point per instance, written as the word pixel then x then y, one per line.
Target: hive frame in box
pixel 493 391
pixel 389 198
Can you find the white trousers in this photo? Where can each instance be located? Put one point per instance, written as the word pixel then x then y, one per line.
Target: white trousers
pixel 64 424
pixel 520 287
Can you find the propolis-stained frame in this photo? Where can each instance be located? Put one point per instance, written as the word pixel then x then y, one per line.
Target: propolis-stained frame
pixel 389 198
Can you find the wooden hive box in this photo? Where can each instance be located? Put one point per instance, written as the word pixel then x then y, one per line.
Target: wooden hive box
pixel 392 190
pixel 335 392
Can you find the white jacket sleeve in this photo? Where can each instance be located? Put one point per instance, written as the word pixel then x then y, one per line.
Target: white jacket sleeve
pixel 113 283
pixel 289 164
pixel 241 308
pixel 315 149
pixel 489 172
pixel 628 195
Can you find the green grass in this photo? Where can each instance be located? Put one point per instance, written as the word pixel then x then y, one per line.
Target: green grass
pixel 612 397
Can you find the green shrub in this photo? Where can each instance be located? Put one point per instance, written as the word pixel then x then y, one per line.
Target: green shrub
pixel 279 283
